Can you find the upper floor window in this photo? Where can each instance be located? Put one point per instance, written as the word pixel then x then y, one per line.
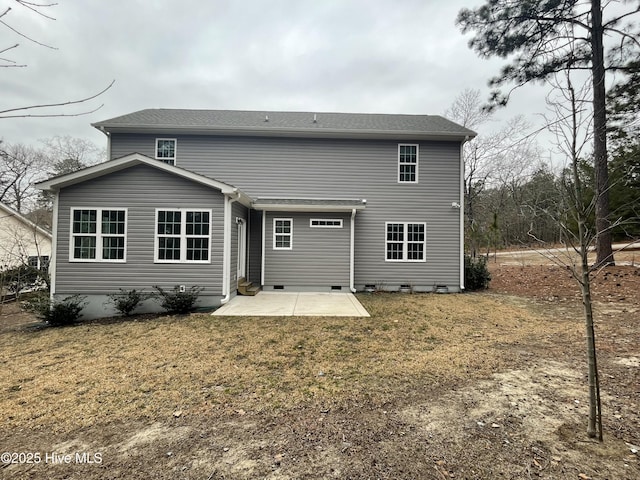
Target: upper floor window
pixel 407 163
pixel 98 235
pixel 166 150
pixel 405 242
pixel 282 233
pixel 183 235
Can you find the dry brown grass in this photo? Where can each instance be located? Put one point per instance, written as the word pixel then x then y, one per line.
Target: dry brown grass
pixel 67 378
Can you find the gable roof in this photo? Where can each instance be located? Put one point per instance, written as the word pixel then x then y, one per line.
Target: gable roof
pixel 117 164
pixel 6 211
pixel 297 124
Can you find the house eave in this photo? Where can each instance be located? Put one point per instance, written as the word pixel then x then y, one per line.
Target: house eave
pixel 285 132
pixel 9 212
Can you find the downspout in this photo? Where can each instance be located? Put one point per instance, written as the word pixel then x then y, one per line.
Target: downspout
pixel 466 139
pixel 226 250
pixel 54 246
pixel 264 228
pixel 352 252
pixel 108 142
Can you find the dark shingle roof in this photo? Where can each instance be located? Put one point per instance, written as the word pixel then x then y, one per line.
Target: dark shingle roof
pixel 280 123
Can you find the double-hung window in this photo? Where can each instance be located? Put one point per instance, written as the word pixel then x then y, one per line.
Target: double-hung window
pixel 282 233
pixel 405 242
pixel 183 236
pixel 166 150
pixel 407 163
pixel 98 235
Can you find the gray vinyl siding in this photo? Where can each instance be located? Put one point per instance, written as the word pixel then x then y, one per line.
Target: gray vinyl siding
pixel 141 190
pixel 319 257
pixel 342 168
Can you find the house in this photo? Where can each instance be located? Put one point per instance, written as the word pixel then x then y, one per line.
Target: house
pixel 22 242
pixel 289 201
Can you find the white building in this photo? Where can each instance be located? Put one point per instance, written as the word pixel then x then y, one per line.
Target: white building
pixel 22 242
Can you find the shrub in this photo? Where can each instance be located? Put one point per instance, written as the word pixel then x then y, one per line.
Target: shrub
pixel 127 301
pixel 19 278
pixel 57 312
pixel 476 273
pixel 175 301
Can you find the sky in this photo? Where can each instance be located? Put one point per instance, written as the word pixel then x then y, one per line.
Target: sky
pixel 370 56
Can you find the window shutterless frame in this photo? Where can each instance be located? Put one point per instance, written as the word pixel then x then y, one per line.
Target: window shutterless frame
pixel 182 235
pixel 408 160
pixel 166 150
pixel 98 234
pixel 325 223
pixel 283 233
pixel 405 242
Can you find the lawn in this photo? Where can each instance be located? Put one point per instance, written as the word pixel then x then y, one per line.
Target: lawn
pixel 430 386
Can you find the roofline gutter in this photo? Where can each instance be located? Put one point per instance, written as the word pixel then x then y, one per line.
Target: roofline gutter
pixel 284 131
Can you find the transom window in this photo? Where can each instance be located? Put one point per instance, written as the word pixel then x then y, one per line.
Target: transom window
pixel 405 242
pixel 326 223
pixel 183 235
pixel 407 163
pixel 166 150
pixel 98 235
pixel 282 233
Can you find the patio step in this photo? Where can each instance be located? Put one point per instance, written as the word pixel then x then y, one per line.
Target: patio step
pixel 247 288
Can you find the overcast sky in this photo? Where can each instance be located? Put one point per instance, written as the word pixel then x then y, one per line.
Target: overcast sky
pixel 383 56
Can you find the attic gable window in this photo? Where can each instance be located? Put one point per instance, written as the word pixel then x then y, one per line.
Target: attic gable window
pixel 166 150
pixel 407 163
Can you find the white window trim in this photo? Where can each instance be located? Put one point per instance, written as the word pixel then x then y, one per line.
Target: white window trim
pixel 99 235
pixel 339 220
pixel 183 235
pixel 290 234
pixel 405 242
pixel 407 163
pixel 175 151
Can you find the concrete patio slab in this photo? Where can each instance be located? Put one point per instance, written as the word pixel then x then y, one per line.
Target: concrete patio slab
pixel 309 304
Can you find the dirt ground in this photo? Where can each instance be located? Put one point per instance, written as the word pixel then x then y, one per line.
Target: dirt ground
pixel 502 396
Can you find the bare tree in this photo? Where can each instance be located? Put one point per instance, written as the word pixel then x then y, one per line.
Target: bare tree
pixel 20 167
pixel 573 133
pixel 68 154
pixel 500 157
pixel 53 109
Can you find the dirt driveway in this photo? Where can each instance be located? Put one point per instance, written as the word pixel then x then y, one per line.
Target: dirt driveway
pixel 475 386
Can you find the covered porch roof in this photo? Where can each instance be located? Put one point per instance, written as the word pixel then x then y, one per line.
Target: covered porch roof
pixel 309 204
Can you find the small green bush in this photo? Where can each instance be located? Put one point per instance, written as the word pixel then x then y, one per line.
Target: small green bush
pixel 127 301
pixel 175 301
pixel 56 313
pixel 476 273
